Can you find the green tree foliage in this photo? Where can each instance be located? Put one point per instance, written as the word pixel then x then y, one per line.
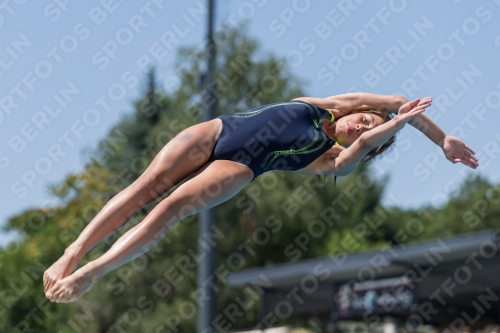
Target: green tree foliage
pixel 280 217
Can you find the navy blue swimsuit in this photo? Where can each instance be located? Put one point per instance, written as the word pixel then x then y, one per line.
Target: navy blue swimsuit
pixel 279 136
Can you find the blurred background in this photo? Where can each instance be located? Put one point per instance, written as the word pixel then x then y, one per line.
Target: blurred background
pixel 91 91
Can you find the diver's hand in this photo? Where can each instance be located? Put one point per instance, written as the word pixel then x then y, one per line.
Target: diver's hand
pixel 456 151
pixel 409 110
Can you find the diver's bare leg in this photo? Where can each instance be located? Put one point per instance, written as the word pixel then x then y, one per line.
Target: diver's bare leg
pixel 180 157
pixel 193 196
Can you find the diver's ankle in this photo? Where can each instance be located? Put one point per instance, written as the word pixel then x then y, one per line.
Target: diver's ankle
pixel 74 251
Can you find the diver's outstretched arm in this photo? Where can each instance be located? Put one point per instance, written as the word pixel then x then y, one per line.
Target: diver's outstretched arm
pixel 344 103
pixel 349 158
pixel 340 105
pixel 454 149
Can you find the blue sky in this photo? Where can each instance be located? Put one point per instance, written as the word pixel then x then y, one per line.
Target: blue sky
pixel 69 70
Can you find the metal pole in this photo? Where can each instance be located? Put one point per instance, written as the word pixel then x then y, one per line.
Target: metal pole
pixel 263 312
pixel 334 311
pixel 206 279
pixel 413 308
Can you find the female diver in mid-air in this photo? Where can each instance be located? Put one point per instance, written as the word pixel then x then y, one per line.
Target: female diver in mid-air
pixel 313 136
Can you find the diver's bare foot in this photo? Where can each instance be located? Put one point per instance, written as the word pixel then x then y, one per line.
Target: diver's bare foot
pixel 59 270
pixel 71 288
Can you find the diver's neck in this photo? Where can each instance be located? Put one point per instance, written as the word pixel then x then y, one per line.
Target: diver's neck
pixel 329 128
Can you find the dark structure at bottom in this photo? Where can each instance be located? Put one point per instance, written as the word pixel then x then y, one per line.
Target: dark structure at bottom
pixel 452 284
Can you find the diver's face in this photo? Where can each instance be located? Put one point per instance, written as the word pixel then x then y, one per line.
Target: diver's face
pixel 350 127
